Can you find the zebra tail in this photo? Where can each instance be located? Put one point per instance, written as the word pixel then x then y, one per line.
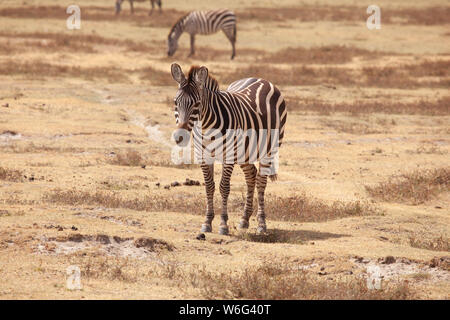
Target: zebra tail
pixel 273 177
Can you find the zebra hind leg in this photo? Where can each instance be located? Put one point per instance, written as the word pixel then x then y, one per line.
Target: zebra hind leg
pixel 250 179
pixel 227 170
pixel 231 35
pixel 208 174
pixel 261 182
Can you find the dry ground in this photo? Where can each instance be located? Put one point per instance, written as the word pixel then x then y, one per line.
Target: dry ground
pixel 85 124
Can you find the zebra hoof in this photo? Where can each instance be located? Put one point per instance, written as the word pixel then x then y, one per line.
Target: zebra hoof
pixel 243 224
pixel 206 228
pixel 261 230
pixel 223 231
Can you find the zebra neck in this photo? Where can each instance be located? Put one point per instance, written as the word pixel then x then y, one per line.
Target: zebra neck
pixel 178 28
pixel 212 110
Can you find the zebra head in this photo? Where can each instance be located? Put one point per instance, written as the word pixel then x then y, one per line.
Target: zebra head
pixel 172 44
pixel 188 100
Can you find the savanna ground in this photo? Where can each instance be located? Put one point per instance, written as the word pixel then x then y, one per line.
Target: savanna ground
pixel 85 124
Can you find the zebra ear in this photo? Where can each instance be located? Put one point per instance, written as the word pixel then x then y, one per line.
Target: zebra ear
pixel 201 75
pixel 177 74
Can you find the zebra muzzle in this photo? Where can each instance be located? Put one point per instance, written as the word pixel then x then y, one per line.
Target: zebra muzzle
pixel 181 137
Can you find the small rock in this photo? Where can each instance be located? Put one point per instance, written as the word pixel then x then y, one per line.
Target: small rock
pixel 6 105
pixel 200 236
pixel 323 268
pixel 175 184
pixel 158 184
pixel 60 228
pixel 74 228
pixel 167 187
pixel 322 273
pixel 143 166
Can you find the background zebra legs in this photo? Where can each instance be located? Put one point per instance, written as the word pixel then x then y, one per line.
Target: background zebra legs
pixel 250 179
pixel 227 170
pixel 208 174
pixel 231 35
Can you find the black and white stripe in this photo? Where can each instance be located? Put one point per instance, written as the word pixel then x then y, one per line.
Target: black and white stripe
pixel 203 22
pixel 250 103
pixel 152 2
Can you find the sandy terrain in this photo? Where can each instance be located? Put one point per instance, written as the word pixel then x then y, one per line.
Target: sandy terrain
pixel 72 102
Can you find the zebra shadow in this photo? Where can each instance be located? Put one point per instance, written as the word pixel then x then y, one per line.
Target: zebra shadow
pixel 288 236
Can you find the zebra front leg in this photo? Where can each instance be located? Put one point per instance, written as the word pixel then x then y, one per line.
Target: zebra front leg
pixel 208 174
pixel 227 170
pixel 261 182
pixel 192 45
pixel 250 179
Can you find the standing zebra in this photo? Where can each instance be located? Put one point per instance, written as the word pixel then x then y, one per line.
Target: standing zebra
pixel 119 5
pixel 203 22
pixel 248 105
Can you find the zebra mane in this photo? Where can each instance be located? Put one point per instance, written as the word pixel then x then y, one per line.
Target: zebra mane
pixel 210 83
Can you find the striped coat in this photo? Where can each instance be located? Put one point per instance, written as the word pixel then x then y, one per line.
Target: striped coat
pixel 204 23
pixel 250 104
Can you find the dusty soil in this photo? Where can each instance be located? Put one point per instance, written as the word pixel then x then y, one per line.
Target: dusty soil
pixel 69 107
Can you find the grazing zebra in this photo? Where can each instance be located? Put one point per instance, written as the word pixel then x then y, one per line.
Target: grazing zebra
pixel 204 110
pixel 119 5
pixel 203 22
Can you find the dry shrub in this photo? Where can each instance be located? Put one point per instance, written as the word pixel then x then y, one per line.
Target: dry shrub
pixel 323 55
pixel 414 188
pixel 294 208
pixel 130 158
pixel 10 175
pixel 438 107
pixel 305 209
pixel 437 244
pixel 280 282
pixel 39 70
pixel 111 268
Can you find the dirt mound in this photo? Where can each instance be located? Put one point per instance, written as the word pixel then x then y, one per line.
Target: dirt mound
pixel 141 248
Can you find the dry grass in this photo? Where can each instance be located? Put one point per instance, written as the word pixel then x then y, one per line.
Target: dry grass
pixel 408 76
pixel 404 76
pixel 437 244
pixel 425 107
pixel 414 188
pixel 96 13
pixel 40 70
pixel 156 76
pixel 275 281
pixel 12 175
pixel 72 42
pixel 321 55
pixel 293 76
pixel 352 127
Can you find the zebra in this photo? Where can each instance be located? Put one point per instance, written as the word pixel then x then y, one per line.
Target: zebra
pixel 119 5
pixel 203 22
pixel 250 103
